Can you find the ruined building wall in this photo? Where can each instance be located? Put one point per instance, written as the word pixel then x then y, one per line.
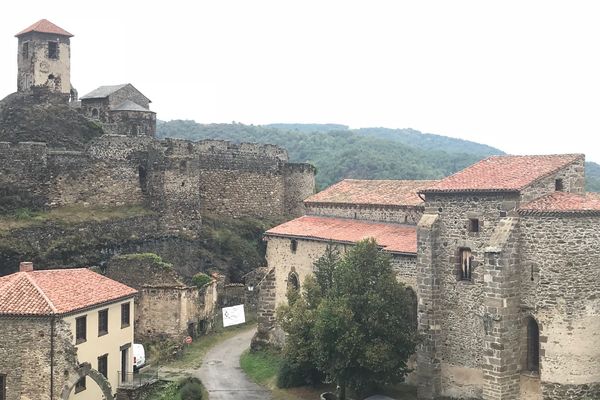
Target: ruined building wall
pixel 560 276
pixel 396 214
pixel 461 330
pixel 132 123
pixel 25 357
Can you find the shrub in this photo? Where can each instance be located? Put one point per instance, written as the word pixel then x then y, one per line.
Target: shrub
pixel 190 389
pixel 201 279
pixel 294 375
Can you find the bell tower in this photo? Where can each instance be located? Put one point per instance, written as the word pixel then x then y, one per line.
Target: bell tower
pixel 44 58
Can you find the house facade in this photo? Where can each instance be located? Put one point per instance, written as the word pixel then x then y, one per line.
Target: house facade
pixel 64 334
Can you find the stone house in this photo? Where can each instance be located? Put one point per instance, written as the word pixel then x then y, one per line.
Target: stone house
pixel 343 214
pixel 505 269
pixel 165 306
pixel 121 109
pixel 62 329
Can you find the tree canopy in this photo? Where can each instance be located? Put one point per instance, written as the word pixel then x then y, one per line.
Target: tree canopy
pixel 352 321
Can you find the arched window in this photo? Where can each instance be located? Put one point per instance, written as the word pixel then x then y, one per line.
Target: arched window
pixel 293 282
pixel 94 113
pixel 533 346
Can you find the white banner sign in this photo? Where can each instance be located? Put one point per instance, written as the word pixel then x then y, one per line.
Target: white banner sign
pixel 233 315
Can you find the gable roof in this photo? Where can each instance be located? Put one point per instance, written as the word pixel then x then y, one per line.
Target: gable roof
pixel 372 192
pixel 44 26
pixel 395 238
pixel 503 173
pixel 103 91
pixel 57 291
pixel 129 105
pixel 563 203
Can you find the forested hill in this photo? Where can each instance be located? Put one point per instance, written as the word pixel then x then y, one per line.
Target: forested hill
pixel 368 153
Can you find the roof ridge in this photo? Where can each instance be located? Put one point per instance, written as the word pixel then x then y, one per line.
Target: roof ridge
pixel 41 292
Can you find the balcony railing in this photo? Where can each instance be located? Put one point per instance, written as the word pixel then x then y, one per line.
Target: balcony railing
pixel 135 379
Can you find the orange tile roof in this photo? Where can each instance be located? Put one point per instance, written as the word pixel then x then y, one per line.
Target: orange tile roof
pixel 503 173
pixel 563 202
pixel 57 291
pixel 392 237
pixel 44 26
pixel 372 192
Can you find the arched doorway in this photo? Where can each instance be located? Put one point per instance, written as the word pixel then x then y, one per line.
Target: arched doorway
pixel 84 370
pixel 532 363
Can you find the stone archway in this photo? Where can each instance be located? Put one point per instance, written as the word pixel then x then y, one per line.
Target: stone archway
pixel 86 369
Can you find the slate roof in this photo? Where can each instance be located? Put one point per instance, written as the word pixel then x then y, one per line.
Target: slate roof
pixel 44 26
pixel 563 202
pixel 371 192
pixel 503 173
pixel 103 91
pixel 129 105
pixel 395 238
pixel 57 291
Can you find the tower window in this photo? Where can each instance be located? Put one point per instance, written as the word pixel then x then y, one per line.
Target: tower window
pixel 473 225
pixel 25 50
pixel 466 264
pixel 53 50
pixel 558 185
pixel 293 245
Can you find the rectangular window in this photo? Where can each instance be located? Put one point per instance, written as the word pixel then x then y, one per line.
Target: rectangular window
pixel 80 330
pixel 25 49
pixel 558 185
pixel 2 387
pixel 80 385
pixel 293 245
pixel 102 322
pixel 125 315
pixel 103 365
pixel 53 50
pixel 473 225
pixel 466 264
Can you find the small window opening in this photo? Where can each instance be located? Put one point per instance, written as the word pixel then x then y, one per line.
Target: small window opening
pixel 94 113
pixel 533 346
pixel 466 264
pixel 293 282
pixel 142 175
pixel 25 50
pixel 80 385
pixel 51 77
pixel 53 50
pixel 558 185
pixel 473 225
pixel 293 245
pixel 412 309
pixel 502 214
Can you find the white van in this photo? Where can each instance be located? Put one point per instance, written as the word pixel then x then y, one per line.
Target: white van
pixel 139 356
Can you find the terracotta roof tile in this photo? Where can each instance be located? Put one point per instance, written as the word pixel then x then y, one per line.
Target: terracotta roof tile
pixel 503 173
pixel 392 237
pixel 44 26
pixel 372 192
pixel 564 202
pixel 57 291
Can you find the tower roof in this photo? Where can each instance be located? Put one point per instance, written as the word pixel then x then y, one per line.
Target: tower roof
pixel 44 26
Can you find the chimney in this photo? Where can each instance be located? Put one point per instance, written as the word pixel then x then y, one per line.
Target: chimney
pixel 25 266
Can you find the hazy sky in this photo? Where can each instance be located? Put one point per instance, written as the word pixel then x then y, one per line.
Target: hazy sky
pixel 523 76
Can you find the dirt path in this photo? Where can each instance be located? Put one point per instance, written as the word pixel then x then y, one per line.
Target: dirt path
pixel 222 376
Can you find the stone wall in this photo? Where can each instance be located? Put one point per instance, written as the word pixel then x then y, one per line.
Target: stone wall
pixel 25 357
pixel 132 123
pixel 128 92
pixel 299 183
pixel 397 214
pixel 572 177
pixel 560 275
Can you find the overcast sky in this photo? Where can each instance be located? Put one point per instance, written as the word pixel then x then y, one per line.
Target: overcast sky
pixel 523 76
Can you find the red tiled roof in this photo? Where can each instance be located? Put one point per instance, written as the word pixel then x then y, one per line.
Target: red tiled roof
pixel 57 291
pixel 372 192
pixel 392 237
pixel 44 26
pixel 563 202
pixel 503 173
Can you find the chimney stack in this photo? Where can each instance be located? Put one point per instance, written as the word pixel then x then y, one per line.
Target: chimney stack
pixel 25 266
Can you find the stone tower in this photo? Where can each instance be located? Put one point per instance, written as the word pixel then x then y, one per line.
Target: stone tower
pixel 44 58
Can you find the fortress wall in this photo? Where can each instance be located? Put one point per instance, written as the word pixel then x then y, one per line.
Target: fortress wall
pixel 299 182
pixel 23 175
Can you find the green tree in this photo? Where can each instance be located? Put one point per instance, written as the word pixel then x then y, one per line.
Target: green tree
pixel 352 321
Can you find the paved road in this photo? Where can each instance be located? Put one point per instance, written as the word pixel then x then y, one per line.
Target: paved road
pixel 222 376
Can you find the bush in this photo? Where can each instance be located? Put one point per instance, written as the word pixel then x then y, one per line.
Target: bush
pixel 294 375
pixel 190 389
pixel 201 279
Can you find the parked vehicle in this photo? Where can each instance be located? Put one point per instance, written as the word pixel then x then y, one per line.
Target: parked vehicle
pixel 139 356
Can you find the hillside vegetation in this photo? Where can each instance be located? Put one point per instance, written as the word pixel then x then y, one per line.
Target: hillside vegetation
pixel 368 153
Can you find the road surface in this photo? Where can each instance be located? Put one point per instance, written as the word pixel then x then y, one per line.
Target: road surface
pixel 222 376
